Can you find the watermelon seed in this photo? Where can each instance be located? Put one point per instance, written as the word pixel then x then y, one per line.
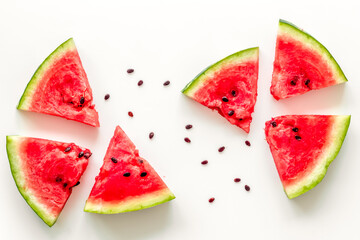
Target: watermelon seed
pixel 307 82
pixel 189 126
pixel 107 96
pixel 247 188
pixel 231 112
pixel 82 100
pixel 127 174
pixel 211 200
pixel 68 149
pixel 295 129
pixel 297 137
pixel 151 135
pixel 240 119
pixel 76 184
pixel 130 70
pixel 247 143
pixel 187 140
pixel 87 155
pixel 273 123
pixel 114 160
pixel 65 185
pixel 224 99
pixel 140 161
pixel 130 114
pixel 293 82
pixel 140 83
pixel 71 102
pixel 204 162
pixel 237 179
pixel 233 93
pixel 221 149
pixel 58 179
pixel 143 174
pixel 81 154
pixel 166 83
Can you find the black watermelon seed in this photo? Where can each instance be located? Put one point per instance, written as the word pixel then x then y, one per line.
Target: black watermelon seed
pixel 211 200
pixel 140 83
pixel 247 143
pixel 82 100
pixel 130 114
pixel 114 160
pixel 307 82
pixel 247 188
pixel 81 154
pixel 166 83
pixel 221 149
pixel 107 96
pixel 187 140
pixel 68 149
pixel 295 129
pixel 58 179
pixel 65 185
pixel 231 112
pixel 189 126
pixel 204 162
pixel 237 179
pixel 143 174
pixel 297 137
pixel 224 99
pixel 140 160
pixel 76 184
pixel 130 70
pixel 151 135
pixel 240 119
pixel 292 82
pixel 87 155
pixel 233 93
pixel 273 123
pixel 127 174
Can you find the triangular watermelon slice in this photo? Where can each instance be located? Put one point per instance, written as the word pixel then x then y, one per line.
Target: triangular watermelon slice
pixel 303 146
pixel 45 172
pixel 60 87
pixel 126 181
pixel 301 64
pixel 229 87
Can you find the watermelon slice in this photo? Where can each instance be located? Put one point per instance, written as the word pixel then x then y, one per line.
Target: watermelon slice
pixel 229 87
pixel 126 181
pixel 60 87
pixel 301 64
pixel 45 172
pixel 303 146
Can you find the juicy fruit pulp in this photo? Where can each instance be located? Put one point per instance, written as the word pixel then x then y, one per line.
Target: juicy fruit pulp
pixel 45 172
pixel 126 181
pixel 229 87
pixel 301 64
pixel 60 87
pixel 303 146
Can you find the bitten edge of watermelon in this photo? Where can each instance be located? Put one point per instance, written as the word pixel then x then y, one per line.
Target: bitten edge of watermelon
pixel 12 143
pixel 336 139
pixel 238 57
pixel 25 99
pixel 292 30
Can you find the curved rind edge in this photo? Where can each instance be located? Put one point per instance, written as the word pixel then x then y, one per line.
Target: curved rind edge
pixel 307 38
pixel 31 86
pixel 191 87
pixel 14 160
pixel 340 129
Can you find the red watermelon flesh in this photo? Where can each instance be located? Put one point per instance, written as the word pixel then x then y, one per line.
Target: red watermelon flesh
pixel 229 87
pixel 60 87
pixel 45 172
pixel 301 64
pixel 126 181
pixel 303 146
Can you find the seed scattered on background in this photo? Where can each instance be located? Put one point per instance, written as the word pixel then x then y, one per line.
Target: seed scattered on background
pixel 204 162
pixel 166 83
pixel 151 135
pixel 140 83
pixel 189 126
pixel 247 143
pixel 221 149
pixel 237 179
pixel 107 96
pixel 211 200
pixel 247 188
pixel 130 114
pixel 187 140
pixel 130 70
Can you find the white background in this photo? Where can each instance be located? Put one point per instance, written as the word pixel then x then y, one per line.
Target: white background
pixel 174 41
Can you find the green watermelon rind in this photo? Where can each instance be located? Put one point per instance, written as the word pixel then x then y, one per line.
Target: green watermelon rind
pixel 29 91
pixel 12 144
pixel 317 174
pixel 134 204
pixel 288 28
pixel 236 58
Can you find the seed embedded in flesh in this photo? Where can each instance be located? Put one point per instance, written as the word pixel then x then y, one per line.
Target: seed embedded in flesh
pixel 297 137
pixel 127 174
pixel 221 149
pixel 166 83
pixel 189 126
pixel 82 100
pixel 293 82
pixel 273 123
pixel 130 70
pixel 307 82
pixel 81 154
pixel 187 140
pixel 211 200
pixel 240 119
pixel 65 185
pixel 233 93
pixel 231 112
pixel 151 135
pixel 143 174
pixel 224 99
pixel 140 160
pixel 87 155
pixel 114 160
pixel 295 129
pixel 237 179
pixel 76 184
pixel 130 114
pixel 247 188
pixel 247 143
pixel 68 149
pixel 58 179
pixel 107 96
pixel 140 83
pixel 204 162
